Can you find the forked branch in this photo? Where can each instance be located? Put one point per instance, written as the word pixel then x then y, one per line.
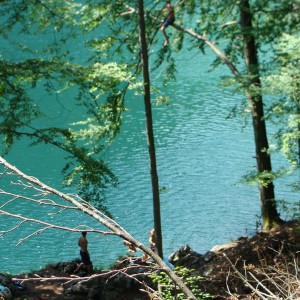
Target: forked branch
pixel 80 204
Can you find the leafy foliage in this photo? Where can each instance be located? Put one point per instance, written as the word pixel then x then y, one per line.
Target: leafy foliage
pixel 284 112
pixel 271 20
pixel 170 291
pixel 290 209
pixel 97 87
pixel 106 64
pixel 95 76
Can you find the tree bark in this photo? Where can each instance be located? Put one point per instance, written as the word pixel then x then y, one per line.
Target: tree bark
pixel 213 47
pixel 149 127
pixel 270 216
pixel 269 212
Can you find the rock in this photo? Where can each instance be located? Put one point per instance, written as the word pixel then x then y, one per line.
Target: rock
pixel 208 256
pixel 19 286
pixel 78 288
pixel 179 254
pixel 5 293
pixel 94 293
pixel 58 265
pixel 70 267
pixel 5 281
pixel 186 257
pixel 220 248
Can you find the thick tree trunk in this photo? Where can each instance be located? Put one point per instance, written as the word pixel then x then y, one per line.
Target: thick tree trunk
pixel 269 212
pixel 270 215
pixel 150 135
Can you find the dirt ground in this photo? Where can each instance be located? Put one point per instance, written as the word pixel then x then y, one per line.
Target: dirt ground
pixel 264 266
pixel 231 271
pixel 38 289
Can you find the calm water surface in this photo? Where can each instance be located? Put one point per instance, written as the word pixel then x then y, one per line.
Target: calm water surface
pixel 201 157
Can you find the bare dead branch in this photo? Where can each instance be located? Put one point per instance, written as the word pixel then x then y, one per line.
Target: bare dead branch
pixel 217 51
pixel 42 201
pixel 46 224
pixel 73 278
pixel 203 38
pixel 86 208
pixel 245 280
pixel 276 282
pixel 9 201
pixel 228 24
pixel 3 173
pixel 12 228
pixel 130 10
pixel 269 294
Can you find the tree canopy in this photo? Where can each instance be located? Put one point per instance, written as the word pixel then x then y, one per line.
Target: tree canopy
pixel 107 64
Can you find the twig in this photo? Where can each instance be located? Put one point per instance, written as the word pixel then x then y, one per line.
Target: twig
pixel 86 208
pixel 228 24
pixel 48 202
pixel 3 173
pixel 242 277
pixel 46 224
pixel 259 283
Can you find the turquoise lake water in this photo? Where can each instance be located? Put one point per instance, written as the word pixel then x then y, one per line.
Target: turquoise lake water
pixel 201 156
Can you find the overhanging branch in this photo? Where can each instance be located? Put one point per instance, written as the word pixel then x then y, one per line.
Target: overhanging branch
pixel 88 209
pixel 214 48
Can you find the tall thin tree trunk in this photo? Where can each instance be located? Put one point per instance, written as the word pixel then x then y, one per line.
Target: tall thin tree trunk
pixel 149 127
pixel 270 215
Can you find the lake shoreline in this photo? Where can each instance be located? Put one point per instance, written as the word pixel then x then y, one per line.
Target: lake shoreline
pixel 219 267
